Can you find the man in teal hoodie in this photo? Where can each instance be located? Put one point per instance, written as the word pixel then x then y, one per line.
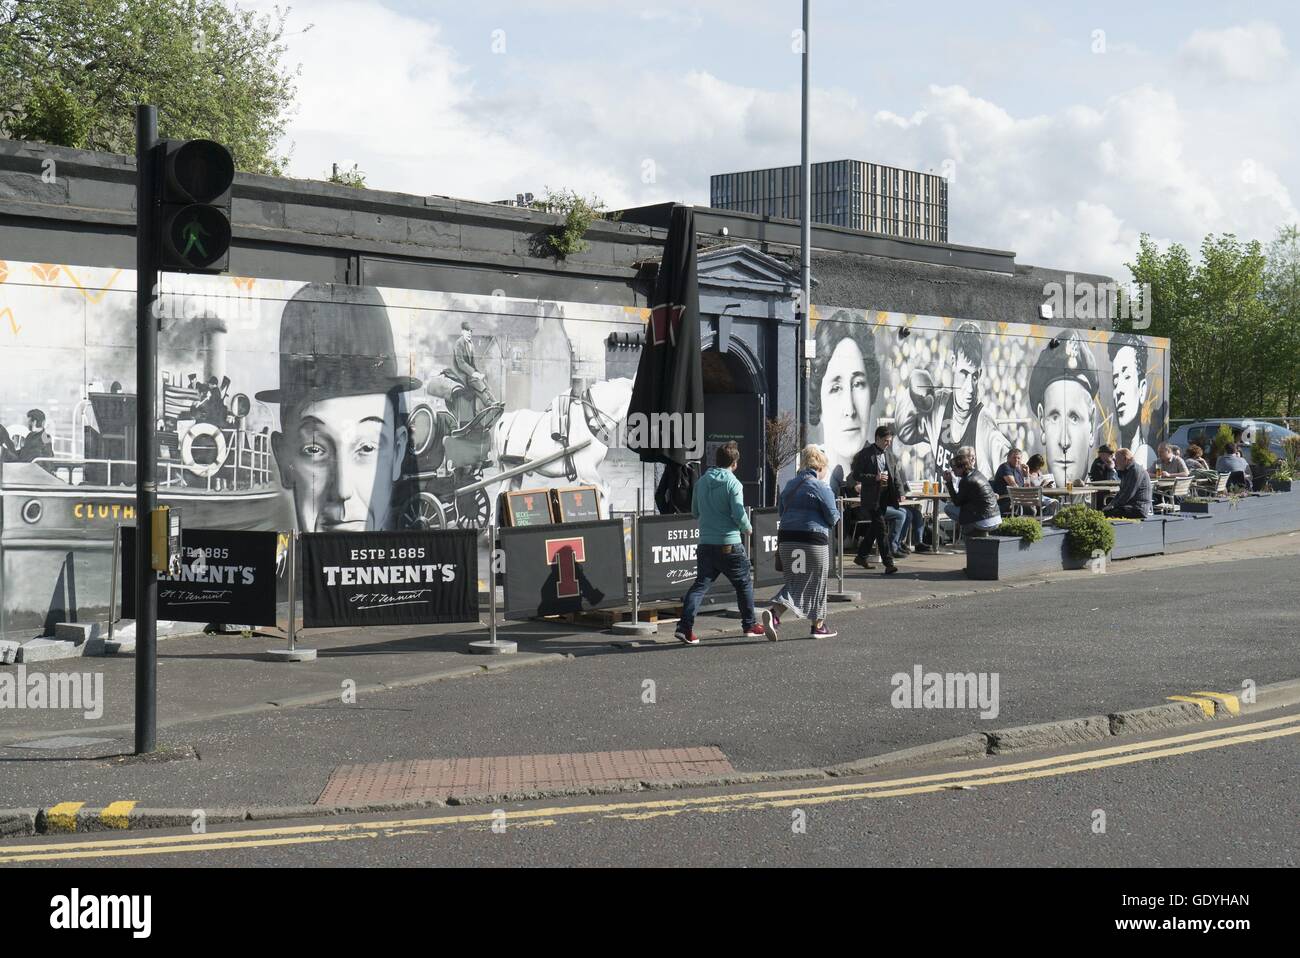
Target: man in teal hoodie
pixel 718 504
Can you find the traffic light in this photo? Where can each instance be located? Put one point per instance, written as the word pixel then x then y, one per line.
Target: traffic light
pixel 194 179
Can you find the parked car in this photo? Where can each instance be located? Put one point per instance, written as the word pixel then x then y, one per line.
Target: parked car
pixel 1202 433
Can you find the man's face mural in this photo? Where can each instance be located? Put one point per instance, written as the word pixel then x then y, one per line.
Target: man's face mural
pixel 1130 386
pixel 845 400
pixel 341 458
pixel 1066 419
pixel 965 378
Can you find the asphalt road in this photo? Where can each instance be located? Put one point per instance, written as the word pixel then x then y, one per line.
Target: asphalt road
pixel 1218 796
pixel 1076 647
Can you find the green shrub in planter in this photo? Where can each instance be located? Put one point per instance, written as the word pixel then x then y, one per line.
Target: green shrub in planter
pixel 1088 531
pixel 1028 529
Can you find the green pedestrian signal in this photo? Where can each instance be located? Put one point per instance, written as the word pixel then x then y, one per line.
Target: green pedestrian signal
pixel 195 179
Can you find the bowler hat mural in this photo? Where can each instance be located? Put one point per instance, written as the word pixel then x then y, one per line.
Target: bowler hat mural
pixel 287 405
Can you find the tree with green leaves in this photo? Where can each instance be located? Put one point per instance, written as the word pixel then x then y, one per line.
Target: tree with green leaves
pixel 72 71
pixel 1221 329
pixel 1282 296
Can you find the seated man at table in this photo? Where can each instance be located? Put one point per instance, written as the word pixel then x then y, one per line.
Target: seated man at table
pixel 973 505
pixel 1133 501
pixel 907 526
pixel 1010 473
pixel 1168 462
pixel 1103 467
pixel 1233 464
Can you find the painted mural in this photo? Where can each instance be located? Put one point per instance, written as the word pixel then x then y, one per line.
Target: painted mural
pixel 286 405
pixel 944 383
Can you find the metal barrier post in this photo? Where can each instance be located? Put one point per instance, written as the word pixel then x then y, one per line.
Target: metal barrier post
pixel 491 646
pixel 112 581
pixel 841 595
pixel 636 627
pixel 292 653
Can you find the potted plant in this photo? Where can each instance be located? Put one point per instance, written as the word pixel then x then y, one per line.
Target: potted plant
pixel 1263 461
pixel 1026 529
pixel 1281 479
pixel 1088 532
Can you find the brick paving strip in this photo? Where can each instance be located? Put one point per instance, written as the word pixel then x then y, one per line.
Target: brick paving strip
pixel 443 777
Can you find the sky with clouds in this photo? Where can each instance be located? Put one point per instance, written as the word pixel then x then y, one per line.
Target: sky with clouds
pixel 1066 133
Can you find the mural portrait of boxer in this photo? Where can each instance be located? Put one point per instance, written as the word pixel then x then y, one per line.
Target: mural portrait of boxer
pixel 343 443
pixel 950 417
pixel 1062 394
pixel 1128 369
pixel 845 382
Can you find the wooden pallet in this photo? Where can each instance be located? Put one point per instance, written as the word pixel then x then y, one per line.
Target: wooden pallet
pixel 605 618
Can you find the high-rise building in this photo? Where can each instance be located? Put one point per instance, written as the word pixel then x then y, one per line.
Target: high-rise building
pixel 852 193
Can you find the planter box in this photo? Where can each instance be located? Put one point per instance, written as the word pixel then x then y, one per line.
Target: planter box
pixel 1002 557
pixel 1187 532
pixel 1215 507
pixel 1280 485
pixel 1133 539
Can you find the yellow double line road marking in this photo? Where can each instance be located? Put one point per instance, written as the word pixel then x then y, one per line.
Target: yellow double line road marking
pixel 1109 756
pixel 1208 701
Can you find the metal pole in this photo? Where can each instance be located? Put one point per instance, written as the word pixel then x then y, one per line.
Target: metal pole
pixel 839 556
pixel 805 243
pixel 292 559
pixel 492 579
pixel 146 378
pixel 112 580
pixel 636 521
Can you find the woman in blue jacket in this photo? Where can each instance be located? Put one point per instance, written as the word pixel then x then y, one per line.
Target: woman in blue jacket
pixel 808 514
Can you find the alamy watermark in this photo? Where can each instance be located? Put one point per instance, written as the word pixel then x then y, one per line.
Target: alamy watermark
pixel 1083 299
pixel 658 430
pixel 83 691
pixel 919 689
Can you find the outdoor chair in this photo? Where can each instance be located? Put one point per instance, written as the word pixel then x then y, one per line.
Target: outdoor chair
pixel 1025 498
pixel 1170 498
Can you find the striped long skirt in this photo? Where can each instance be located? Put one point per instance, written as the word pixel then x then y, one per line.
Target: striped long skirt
pixel 804 593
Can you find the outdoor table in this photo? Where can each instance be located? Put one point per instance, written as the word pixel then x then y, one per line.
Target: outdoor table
pixel 937 498
pixel 1080 491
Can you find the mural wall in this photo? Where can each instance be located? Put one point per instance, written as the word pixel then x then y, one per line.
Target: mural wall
pixel 946 383
pixel 284 405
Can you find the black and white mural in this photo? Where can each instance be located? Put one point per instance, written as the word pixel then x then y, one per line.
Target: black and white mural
pixel 945 383
pixel 286 405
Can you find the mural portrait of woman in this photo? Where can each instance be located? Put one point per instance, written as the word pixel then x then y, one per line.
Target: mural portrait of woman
pixel 845 384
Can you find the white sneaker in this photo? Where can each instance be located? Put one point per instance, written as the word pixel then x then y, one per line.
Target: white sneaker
pixel 770 624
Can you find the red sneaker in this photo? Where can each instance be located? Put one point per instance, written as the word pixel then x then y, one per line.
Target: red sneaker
pixel 755 629
pixel 688 638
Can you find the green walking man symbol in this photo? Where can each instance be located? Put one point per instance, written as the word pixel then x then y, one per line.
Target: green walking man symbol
pixel 190 232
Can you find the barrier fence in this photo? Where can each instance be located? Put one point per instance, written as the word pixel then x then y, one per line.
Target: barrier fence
pixel 363 579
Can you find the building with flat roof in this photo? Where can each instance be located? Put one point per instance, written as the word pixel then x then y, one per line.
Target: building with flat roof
pixel 850 193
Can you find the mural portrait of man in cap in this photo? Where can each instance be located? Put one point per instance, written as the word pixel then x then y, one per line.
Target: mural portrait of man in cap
pixel 1062 391
pixel 343 442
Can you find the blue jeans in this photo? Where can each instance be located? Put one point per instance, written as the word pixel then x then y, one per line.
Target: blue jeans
pixel 709 564
pixel 908 525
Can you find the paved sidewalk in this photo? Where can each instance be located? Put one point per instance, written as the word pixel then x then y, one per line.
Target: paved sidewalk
pixel 211 676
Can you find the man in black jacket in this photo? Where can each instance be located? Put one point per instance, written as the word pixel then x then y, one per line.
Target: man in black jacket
pixel 877 488
pixel 1103 467
pixel 973 505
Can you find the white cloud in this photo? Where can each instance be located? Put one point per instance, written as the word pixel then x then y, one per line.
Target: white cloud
pixel 1254 52
pixel 1071 186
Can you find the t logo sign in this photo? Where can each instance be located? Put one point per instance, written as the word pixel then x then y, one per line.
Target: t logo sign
pixel 665 321
pixel 565 554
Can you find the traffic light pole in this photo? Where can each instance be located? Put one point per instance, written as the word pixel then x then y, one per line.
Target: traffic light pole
pixel 146 380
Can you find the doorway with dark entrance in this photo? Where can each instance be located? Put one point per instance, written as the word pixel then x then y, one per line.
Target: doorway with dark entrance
pixel 734 410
